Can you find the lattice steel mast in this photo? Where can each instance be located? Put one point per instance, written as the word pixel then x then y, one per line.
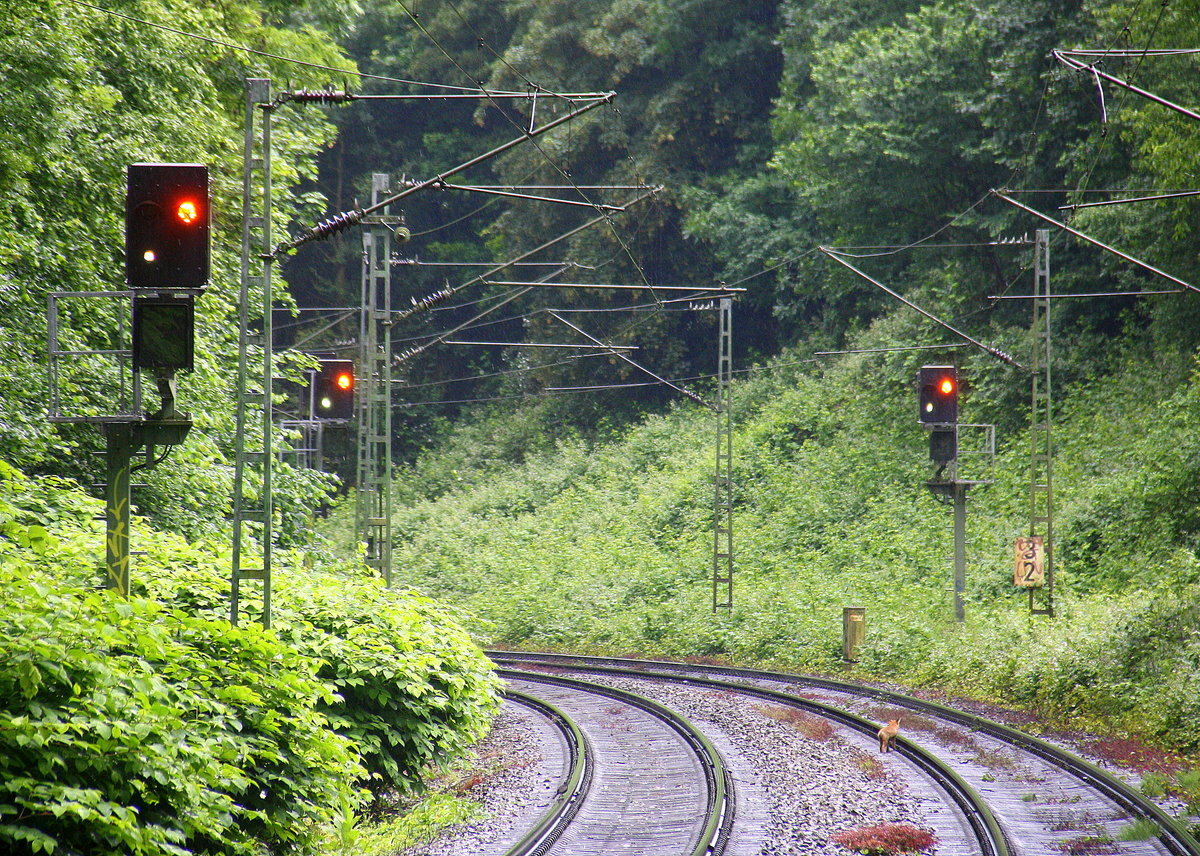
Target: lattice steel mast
pixel 374 401
pixel 252 445
pixel 722 575
pixel 1041 484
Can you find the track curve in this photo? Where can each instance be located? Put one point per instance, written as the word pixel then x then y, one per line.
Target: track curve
pixel 672 797
pixel 570 794
pixel 1016 822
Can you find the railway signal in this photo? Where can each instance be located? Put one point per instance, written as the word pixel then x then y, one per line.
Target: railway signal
pixel 937 395
pixel 333 390
pixel 937 409
pixel 163 333
pixel 167 226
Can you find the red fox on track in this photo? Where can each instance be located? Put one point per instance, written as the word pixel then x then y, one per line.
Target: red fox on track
pixel 887 734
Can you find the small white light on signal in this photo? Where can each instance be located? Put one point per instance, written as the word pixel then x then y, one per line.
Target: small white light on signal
pixel 149 255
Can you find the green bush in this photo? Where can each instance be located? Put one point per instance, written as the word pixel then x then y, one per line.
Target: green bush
pixel 149 725
pixel 410 687
pixel 128 728
pixel 414 688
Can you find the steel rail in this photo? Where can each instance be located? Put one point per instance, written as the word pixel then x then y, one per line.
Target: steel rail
pixel 551 825
pixel 983 823
pixel 719 820
pixel 1173 834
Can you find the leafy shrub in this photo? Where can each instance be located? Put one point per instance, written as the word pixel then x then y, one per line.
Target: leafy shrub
pixel 129 728
pixel 885 839
pixel 410 687
pixel 148 725
pixel 414 689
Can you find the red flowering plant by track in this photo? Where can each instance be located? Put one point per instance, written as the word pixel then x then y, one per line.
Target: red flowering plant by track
pixel 885 839
pixel 1136 755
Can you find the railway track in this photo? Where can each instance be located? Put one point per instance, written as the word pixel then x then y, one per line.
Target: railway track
pixel 576 779
pixel 672 796
pixel 1009 792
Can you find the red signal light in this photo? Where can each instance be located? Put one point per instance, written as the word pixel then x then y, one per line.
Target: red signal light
pixel 946 387
pixel 187 211
pixel 167 228
pixel 332 390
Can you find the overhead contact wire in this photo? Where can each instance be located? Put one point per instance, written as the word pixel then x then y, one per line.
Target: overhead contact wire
pixel 549 160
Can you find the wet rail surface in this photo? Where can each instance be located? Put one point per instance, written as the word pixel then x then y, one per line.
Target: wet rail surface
pixel 575 778
pixel 1040 797
pixel 968 830
pixel 653 784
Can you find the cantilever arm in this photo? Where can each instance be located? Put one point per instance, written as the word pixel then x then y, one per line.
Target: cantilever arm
pixel 346 219
pixel 995 352
pixel 1091 240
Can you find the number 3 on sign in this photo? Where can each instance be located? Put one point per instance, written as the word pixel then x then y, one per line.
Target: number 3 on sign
pixel 1029 568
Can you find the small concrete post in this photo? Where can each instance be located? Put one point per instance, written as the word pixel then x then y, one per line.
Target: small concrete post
pixel 854 629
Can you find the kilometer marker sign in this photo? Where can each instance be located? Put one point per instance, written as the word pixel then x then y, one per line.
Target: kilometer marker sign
pixel 1029 562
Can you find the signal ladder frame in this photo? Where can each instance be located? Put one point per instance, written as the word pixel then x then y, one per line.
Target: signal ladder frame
pixel 373 403
pixel 723 560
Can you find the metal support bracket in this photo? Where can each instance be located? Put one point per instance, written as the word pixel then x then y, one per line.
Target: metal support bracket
pixel 722 563
pixel 373 509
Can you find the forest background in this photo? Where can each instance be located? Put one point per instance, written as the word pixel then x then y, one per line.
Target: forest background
pixel 583 520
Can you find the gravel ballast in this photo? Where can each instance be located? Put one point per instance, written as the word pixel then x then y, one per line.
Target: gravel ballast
pixel 797 780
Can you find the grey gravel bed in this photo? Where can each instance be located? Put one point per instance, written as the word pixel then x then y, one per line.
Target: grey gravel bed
pixel 793 792
pixel 521 759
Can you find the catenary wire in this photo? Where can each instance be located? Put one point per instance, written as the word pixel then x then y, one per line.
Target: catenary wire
pixel 536 145
pixel 699 297
pixel 598 388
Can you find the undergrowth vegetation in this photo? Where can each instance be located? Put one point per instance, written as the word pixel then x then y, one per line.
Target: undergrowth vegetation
pixel 886 840
pixel 149 725
pixel 609 548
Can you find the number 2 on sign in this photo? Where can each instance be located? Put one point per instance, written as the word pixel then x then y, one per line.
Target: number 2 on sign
pixel 1029 562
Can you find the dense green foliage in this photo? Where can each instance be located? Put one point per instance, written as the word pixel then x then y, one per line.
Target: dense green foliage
pixel 150 725
pixel 610 548
pixel 583 520
pixel 89 93
pixel 410 690
pixel 128 728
